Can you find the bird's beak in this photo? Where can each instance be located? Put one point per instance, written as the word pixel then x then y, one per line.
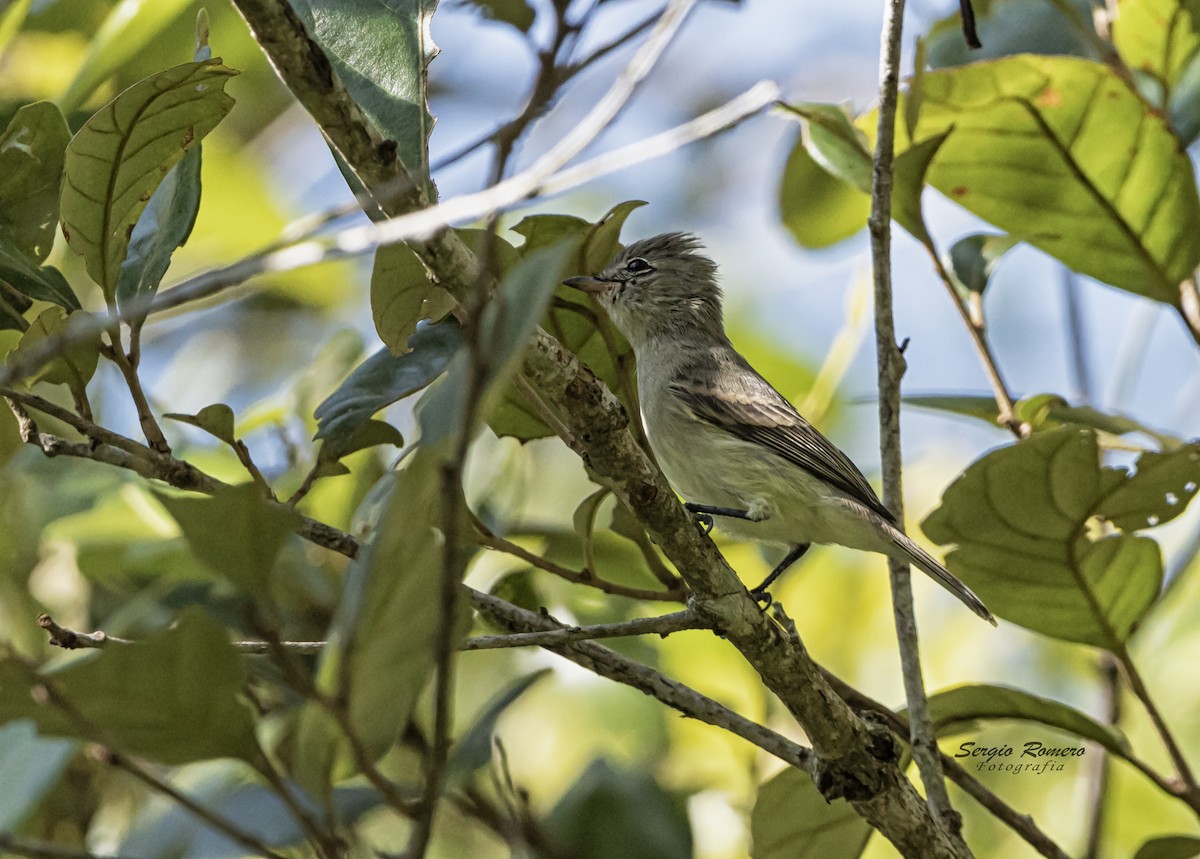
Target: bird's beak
pixel 590 285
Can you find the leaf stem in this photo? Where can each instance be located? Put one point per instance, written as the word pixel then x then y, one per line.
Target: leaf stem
pixel 1138 687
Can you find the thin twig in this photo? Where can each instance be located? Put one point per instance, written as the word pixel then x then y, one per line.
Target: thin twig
pixel 1134 678
pixel 891 368
pixel 663 625
pixel 150 428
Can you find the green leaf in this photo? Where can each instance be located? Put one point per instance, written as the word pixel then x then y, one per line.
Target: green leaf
pixel 30 767
pixel 164 226
pixel 120 156
pixel 370 434
pixel 1108 165
pixel 967 405
pixel 1162 486
pixel 791 820
pixel 546 231
pixel 835 143
pixel 32 149
pixel 384 379
pixel 1183 103
pixel 74 367
pixel 973 258
pixel 1159 37
pixel 1170 847
pixel 1022 520
pixel 44 283
pixel 517 13
pixel 381 50
pixel 381 644
pixel 474 750
pixel 958 710
pixel 402 295
pixel 909 171
pixel 505 328
pixel 172 698
pixel 602 242
pixel 1008 27
pixel 609 813
pixel 236 532
pixel 818 209
pixel 129 28
pixel 216 420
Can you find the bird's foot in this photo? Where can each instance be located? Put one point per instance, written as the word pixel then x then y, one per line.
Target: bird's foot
pixel 704 521
pixel 763 597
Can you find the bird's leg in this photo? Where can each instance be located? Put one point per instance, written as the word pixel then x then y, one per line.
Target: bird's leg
pixel 704 514
pixel 760 592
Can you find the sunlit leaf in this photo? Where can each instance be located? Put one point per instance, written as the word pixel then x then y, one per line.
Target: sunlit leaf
pixel 791 820
pixel 128 29
pixel 384 379
pixel 236 532
pixel 610 812
pixel 957 710
pixel 1108 166
pixel 380 50
pixel 120 156
pixel 818 209
pixel 1022 521
pixel 473 751
pixel 185 681
pixel 32 149
pixel 216 420
pixel 1159 37
pixel 74 367
pixel 835 143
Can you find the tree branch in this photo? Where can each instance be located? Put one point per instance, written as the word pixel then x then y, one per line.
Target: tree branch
pixel 890 369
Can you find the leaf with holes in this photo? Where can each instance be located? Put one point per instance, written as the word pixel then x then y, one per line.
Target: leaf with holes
pixel 1023 521
pixel 1039 143
pixel 120 156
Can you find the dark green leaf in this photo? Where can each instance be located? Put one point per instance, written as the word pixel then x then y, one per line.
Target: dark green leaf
pixel 120 156
pixel 385 378
pixel 818 209
pixel 32 149
pixel 1161 487
pixel 910 168
pixel 164 226
pixel 505 328
pixel 609 813
pixel 603 240
pixel 370 434
pixel 216 420
pixel 973 258
pixel 791 820
pixel 520 590
pixel 1123 183
pixel 172 698
pixel 967 405
pixel 29 767
pixel 546 231
pixel 1019 518
pixel 44 282
pixel 473 751
pixel 957 710
pixel 380 50
pixel 236 532
pixel 1170 847
pixel 1009 27
pixel 518 13
pixel 74 367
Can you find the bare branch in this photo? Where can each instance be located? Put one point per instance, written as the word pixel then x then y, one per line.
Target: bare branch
pixel 663 625
pixel 891 368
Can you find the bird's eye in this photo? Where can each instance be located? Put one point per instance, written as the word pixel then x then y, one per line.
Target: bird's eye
pixel 637 265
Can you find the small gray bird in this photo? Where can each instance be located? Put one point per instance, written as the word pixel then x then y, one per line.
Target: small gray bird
pixel 731 444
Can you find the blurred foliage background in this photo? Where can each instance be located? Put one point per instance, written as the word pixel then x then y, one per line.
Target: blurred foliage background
pixel 94 547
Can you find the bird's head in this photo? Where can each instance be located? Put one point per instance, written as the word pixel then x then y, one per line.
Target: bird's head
pixel 663 285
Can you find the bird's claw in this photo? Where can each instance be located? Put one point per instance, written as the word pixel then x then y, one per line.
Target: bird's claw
pixel 705 521
pixel 764 598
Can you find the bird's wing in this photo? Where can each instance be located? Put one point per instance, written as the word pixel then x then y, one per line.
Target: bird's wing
pixel 744 404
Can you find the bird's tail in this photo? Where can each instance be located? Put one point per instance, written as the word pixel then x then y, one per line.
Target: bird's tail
pixel 941 575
